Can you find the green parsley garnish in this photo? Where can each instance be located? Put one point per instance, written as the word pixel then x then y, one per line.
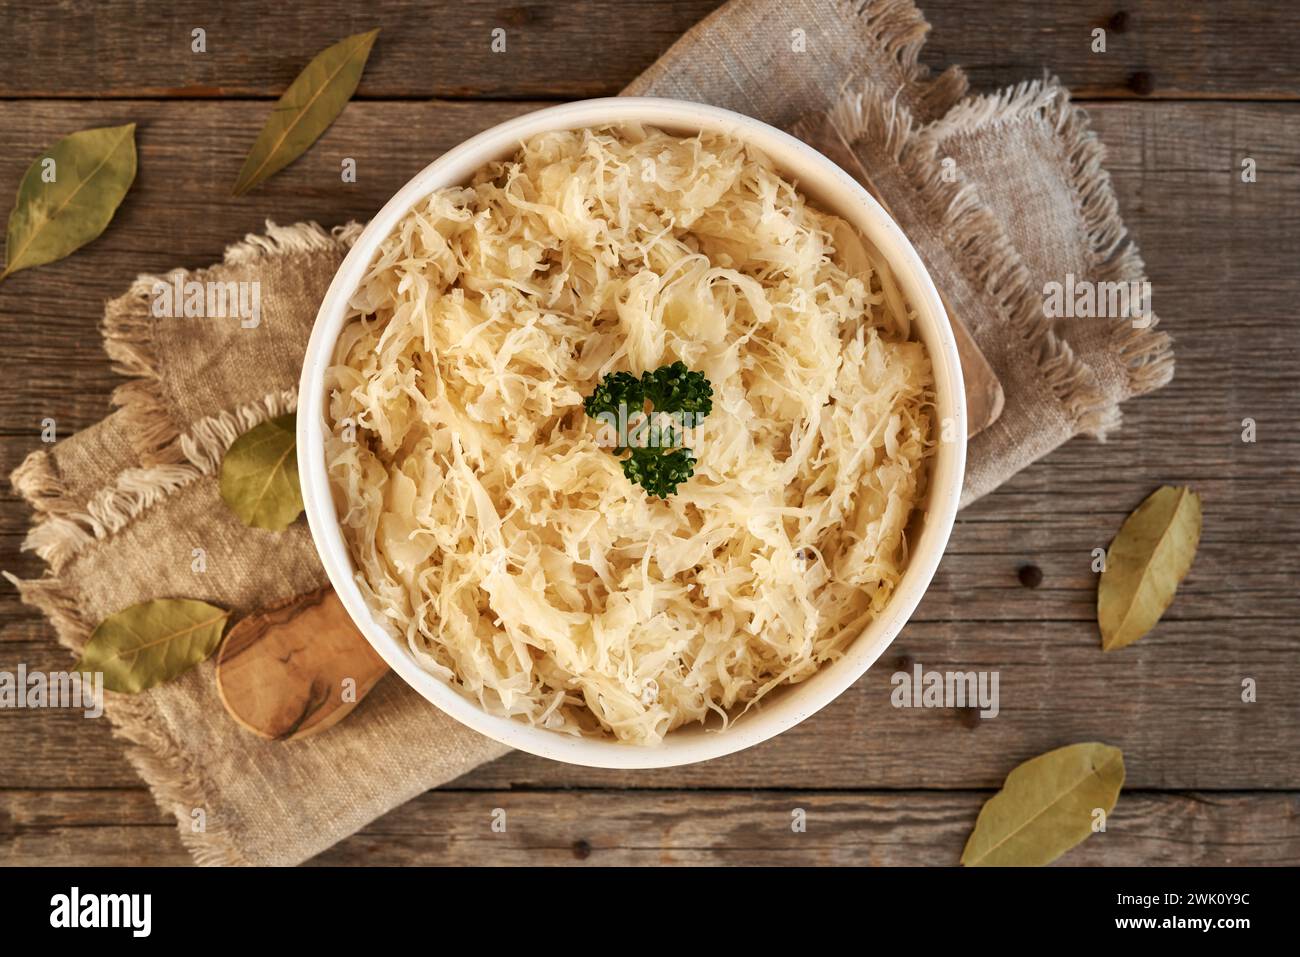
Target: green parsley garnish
pixel 674 391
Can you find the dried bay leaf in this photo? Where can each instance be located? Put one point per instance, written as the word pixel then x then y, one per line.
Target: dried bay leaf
pixel 152 642
pixel 91 172
pixel 1147 560
pixel 1046 806
pixel 313 101
pixel 259 475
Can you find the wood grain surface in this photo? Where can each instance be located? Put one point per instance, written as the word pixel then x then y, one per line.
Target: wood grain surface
pixel 1184 94
pixel 128 48
pixel 631 827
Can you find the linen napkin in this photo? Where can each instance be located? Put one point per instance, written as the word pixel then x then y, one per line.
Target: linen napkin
pixel 121 507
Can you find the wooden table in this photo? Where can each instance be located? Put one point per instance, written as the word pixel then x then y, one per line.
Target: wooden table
pixel 1183 94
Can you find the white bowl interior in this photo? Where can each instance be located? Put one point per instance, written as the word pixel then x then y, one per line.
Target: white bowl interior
pixel 828 187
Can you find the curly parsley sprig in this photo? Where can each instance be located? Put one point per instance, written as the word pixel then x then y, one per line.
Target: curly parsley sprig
pixel 672 390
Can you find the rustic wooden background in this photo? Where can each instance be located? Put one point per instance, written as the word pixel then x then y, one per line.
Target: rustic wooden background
pixel 1184 93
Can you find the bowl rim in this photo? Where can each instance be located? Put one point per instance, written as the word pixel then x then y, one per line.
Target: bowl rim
pixel 832 189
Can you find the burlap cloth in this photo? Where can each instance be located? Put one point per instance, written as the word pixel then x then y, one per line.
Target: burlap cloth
pixel 121 506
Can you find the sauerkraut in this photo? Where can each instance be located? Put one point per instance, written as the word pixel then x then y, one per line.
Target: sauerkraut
pixel 491 529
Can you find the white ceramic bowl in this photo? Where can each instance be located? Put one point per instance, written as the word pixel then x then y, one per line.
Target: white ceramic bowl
pixel 831 189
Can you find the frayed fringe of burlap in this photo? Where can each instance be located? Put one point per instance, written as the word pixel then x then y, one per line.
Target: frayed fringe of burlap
pixel 980 247
pixel 1146 352
pixel 58 537
pixel 175 780
pixel 206 442
pixel 291 240
pixel 129 325
pixel 51 597
pixel 900 29
pixel 37 481
pixel 128 329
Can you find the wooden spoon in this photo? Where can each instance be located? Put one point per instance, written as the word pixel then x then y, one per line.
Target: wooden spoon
pixel 296 668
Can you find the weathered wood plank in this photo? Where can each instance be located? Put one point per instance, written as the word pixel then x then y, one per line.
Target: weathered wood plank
pixel 904 828
pixel 1194 48
pixel 1171 701
pixel 1197 48
pixel 979 579
pixel 60 749
pixel 553 50
pixel 123 827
